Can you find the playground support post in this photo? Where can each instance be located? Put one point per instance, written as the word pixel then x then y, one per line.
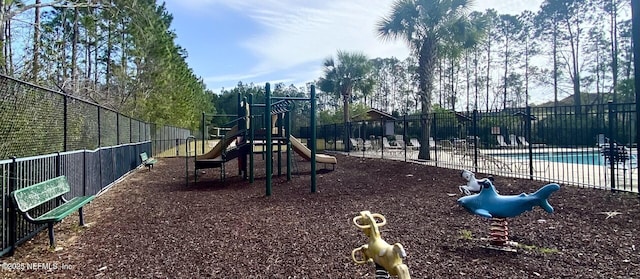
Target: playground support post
pixel 268 138
pixel 279 129
pixel 287 132
pixel 244 123
pixel 204 129
pixel 251 138
pixel 313 138
pixel 268 145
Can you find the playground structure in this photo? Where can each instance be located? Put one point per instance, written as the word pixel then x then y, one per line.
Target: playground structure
pixel 220 154
pixel 386 257
pixel 489 204
pixel 250 140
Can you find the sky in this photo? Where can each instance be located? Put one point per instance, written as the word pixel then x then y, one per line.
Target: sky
pixel 286 40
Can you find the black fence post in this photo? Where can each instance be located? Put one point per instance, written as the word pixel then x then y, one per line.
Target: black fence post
pixel 65 122
pixel 177 144
pixel 84 173
pixel 117 128
pixel 58 171
pixel 204 128
pixel 474 126
pixel 13 217
pixel 99 130
pixel 335 137
pixel 435 134
pixel 58 164
pixel 383 123
pixel 612 162
pixel 527 133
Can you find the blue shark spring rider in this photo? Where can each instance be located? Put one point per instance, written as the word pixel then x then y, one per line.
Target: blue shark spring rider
pixel 489 204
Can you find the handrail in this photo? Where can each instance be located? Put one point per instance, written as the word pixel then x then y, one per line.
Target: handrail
pixel 234 121
pixel 187 157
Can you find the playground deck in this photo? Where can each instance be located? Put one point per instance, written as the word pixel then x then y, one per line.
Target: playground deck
pixel 151 225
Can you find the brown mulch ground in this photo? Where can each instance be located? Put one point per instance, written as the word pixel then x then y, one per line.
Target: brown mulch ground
pixel 151 225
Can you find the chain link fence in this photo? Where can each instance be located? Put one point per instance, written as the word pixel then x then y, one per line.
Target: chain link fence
pixel 46 134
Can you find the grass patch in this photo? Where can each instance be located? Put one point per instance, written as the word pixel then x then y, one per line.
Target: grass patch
pixel 542 250
pixel 466 235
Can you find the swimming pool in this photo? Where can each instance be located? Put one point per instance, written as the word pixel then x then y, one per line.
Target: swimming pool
pixel 586 157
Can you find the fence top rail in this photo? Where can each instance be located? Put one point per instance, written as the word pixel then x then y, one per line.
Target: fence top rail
pixel 30 158
pixel 24 159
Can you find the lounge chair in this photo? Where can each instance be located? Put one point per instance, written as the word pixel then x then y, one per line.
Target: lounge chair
pixel 446 145
pixel 386 145
pixel 513 142
pixel 621 156
pixel 523 141
pixel 501 141
pixel 415 144
pixel 368 145
pixel 354 144
pixel 485 160
pixel 602 141
pixel 432 142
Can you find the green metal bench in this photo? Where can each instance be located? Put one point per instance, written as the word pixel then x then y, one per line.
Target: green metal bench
pixel 148 162
pixel 33 196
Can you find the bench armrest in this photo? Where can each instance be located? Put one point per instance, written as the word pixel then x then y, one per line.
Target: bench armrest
pixel 25 215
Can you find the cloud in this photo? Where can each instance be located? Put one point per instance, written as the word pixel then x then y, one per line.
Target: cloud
pixel 294 33
pixel 300 34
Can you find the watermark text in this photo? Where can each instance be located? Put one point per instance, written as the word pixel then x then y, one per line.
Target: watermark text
pixel 35 266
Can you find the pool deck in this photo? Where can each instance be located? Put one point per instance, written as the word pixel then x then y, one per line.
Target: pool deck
pixel 582 175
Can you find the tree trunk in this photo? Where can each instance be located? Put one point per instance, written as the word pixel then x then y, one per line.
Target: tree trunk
pixel 506 71
pixel 36 44
pixel 614 47
pixel 468 71
pixel 74 51
pixel 488 69
pixel 526 72
pixel 107 74
pixel 347 131
pixel 475 61
pixel 8 63
pixel 3 31
pixel 555 65
pixel 426 64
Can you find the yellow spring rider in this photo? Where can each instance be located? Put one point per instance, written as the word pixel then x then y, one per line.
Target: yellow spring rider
pixel 377 250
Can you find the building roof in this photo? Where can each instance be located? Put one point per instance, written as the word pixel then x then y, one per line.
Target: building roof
pixel 373 114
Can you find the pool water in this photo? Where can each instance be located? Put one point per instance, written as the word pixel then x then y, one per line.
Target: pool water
pixel 582 157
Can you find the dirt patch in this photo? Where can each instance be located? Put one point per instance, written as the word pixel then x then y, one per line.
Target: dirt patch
pixel 152 225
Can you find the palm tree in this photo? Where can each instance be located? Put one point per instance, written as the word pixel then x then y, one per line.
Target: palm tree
pixel 350 71
pixel 427 26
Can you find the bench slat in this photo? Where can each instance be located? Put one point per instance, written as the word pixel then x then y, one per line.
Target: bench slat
pixel 39 193
pixel 144 156
pixel 64 210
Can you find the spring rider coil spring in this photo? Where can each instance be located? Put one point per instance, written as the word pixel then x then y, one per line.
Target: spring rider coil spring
pixel 377 250
pixel 498 232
